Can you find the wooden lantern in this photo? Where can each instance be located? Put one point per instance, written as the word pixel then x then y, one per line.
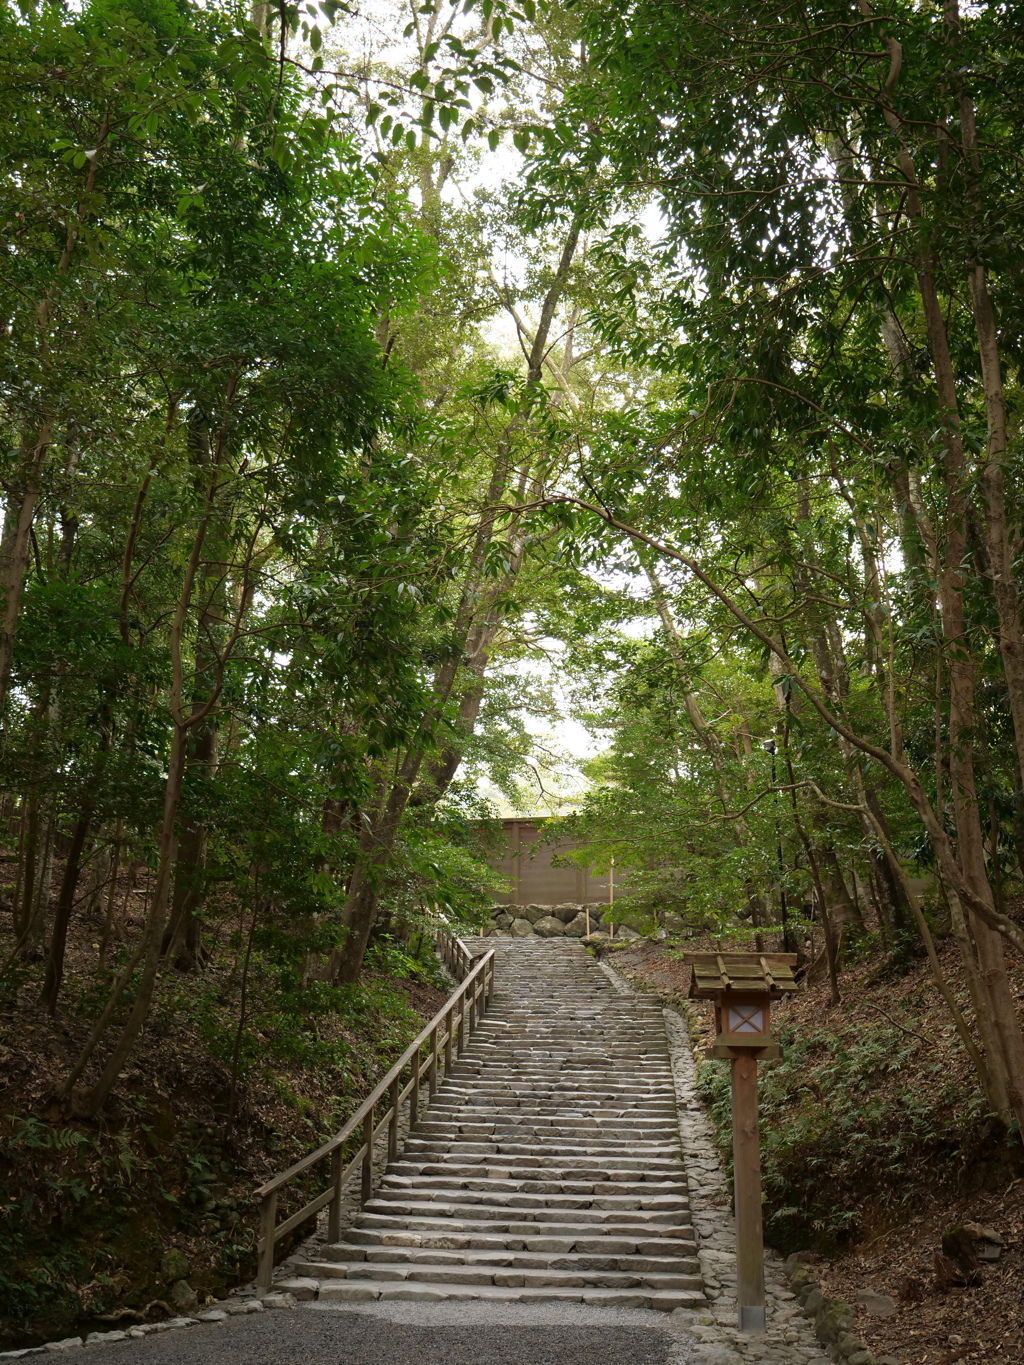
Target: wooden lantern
pixel 743 986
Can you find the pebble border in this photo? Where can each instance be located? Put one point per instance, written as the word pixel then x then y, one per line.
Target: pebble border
pixel 235 1308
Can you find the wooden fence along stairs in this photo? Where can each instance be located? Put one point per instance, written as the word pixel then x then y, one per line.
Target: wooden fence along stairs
pixel 547 1163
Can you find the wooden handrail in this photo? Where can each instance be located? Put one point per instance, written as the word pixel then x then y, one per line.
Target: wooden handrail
pixel 446 1036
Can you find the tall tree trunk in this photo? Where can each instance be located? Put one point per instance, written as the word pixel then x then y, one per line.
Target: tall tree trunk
pixel 31 944
pixel 149 952
pixel 376 843
pixel 89 1104
pixel 23 491
pixel 970 841
pixel 846 910
pixel 472 617
pixel 16 544
pixel 62 914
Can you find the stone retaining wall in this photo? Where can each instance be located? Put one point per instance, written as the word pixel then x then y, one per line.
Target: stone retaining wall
pixel 569 920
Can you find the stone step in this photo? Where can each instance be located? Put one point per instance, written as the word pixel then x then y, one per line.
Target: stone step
pixel 641 1077
pixel 376 1229
pixel 502 1201
pixel 597 1096
pixel 522 1277
pixel 665 1300
pixel 511 1175
pixel 464 1210
pixel 345 1252
pixel 537 1118
pixel 559 1092
pixel 527 1106
pixel 650 1156
pixel 538 1137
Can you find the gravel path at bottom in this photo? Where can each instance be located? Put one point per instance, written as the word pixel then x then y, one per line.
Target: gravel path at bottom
pixel 411 1334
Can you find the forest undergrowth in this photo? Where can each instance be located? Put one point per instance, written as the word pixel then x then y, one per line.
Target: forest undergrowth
pixel 875 1141
pixel 212 1104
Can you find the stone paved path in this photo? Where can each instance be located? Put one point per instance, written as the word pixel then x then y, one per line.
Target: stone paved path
pixel 548 1166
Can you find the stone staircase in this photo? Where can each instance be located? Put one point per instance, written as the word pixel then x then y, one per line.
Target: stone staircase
pixel 548 1166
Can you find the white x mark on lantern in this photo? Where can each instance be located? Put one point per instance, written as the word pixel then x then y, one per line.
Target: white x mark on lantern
pixel 745 1019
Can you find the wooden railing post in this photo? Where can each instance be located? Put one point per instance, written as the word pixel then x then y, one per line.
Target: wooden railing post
pixel 432 1068
pixel 448 1039
pixel 366 1186
pixel 334 1208
pixel 414 1093
pixel 393 1124
pixel 268 1223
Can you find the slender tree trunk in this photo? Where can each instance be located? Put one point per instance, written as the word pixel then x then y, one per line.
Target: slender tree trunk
pixel 31 945
pixel 997 1088
pixel 380 830
pixel 376 843
pixel 108 919
pixel 980 1067
pixel 970 842
pixel 149 952
pixel 16 544
pixel 89 1104
pixel 847 909
pixel 883 871
pixel 62 915
pixel 19 878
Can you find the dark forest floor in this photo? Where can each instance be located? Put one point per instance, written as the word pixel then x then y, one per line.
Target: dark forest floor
pixel 89 1210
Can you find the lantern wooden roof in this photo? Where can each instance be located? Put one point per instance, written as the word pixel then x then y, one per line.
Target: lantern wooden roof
pixel 713 973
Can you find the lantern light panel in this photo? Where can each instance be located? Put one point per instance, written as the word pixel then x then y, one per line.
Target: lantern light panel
pixel 746 1019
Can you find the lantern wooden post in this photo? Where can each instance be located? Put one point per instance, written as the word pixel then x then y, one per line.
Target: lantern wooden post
pixel 746 1166
pixel 743 985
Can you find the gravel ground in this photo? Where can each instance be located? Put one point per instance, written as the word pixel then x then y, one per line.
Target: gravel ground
pixel 451 1333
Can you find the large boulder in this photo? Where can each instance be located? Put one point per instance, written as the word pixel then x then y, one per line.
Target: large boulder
pixel 502 919
pixel 183 1296
pixel 549 927
pixel 577 927
pixel 174 1265
pixel 521 928
pixel 534 912
pixel 566 913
